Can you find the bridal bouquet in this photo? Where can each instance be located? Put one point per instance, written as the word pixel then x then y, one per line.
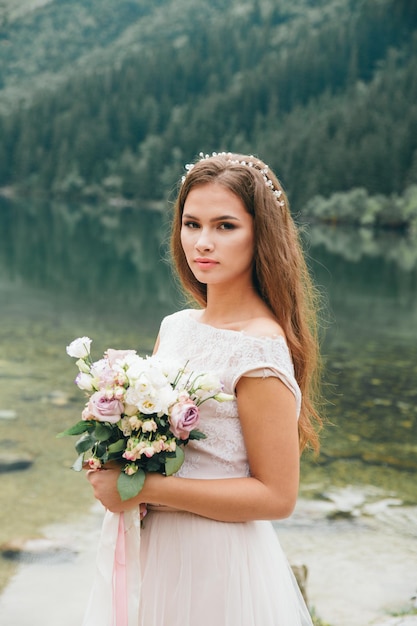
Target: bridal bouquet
pixel 139 413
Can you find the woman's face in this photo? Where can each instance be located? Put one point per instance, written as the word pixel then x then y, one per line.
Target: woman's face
pixel 217 236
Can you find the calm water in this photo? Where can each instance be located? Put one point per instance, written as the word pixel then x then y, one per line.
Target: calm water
pixel 67 271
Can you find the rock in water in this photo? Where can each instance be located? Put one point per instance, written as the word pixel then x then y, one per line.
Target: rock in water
pixel 14 462
pixel 301 573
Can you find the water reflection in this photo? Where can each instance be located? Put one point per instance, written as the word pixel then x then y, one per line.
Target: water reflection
pixel 106 259
pixel 357 244
pixel 370 279
pixel 113 258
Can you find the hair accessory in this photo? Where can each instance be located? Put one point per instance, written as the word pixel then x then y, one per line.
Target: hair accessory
pixel 251 163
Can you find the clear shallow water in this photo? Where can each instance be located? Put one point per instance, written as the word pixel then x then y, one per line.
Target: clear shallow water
pixel 67 271
pixel 370 356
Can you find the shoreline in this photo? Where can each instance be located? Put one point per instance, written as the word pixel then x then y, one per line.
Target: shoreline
pixel 360 571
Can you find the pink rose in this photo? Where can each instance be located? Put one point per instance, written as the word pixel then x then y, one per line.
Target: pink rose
pixel 86 415
pixel 104 409
pixel 183 418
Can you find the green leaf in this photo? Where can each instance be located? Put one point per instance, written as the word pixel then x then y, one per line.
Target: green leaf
pixel 85 443
pixel 154 464
pixel 129 486
pixel 173 464
pixel 103 457
pixel 197 434
pixel 77 429
pixel 100 449
pixel 78 465
pixel 102 432
pixel 117 446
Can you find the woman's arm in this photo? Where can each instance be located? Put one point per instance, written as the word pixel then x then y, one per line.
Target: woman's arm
pixel 269 425
pixel 156 346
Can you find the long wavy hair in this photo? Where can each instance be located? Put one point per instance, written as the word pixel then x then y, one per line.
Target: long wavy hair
pixel 280 273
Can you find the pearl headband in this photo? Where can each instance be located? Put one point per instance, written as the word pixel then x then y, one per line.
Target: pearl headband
pixel 252 162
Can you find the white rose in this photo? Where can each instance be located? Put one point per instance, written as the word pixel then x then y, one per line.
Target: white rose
pixel 209 382
pixel 155 373
pixel 147 406
pixel 167 396
pixel 79 348
pixel 132 399
pixel 171 370
pixel 158 401
pixel 84 381
pixel 224 397
pixel 134 367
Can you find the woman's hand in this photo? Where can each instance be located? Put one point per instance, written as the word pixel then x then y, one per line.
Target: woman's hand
pixel 104 484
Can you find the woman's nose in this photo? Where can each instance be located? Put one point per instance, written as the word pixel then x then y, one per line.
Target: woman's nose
pixel 204 241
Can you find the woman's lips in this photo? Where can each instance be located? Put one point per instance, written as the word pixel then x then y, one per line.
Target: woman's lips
pixel 204 263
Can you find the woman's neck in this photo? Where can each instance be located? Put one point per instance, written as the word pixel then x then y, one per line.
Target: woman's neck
pixel 228 308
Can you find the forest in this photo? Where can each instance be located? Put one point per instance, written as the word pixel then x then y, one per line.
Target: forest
pixel 104 99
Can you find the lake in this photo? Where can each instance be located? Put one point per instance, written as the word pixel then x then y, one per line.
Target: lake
pixel 72 270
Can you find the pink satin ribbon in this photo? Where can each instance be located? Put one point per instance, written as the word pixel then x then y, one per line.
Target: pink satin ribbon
pixel 120 615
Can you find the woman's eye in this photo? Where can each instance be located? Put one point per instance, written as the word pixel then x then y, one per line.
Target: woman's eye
pixel 190 224
pixel 226 226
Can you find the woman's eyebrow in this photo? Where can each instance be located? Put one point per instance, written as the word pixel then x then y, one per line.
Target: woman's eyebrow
pixel 220 218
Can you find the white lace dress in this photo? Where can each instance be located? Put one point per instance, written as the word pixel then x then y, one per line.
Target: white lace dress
pixel 201 572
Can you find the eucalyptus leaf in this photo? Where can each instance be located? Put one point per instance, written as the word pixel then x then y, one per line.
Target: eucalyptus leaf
pixel 78 465
pixel 129 486
pixel 85 443
pixel 173 464
pixel 77 429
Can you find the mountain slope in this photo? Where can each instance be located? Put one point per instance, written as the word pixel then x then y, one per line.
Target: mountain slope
pixel 117 96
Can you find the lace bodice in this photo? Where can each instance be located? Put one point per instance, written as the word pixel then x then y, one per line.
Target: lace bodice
pixel 231 355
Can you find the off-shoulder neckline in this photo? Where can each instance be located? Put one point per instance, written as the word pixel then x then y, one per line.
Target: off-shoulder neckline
pixel 275 338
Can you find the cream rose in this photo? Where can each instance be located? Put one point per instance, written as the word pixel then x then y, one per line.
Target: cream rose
pixel 149 426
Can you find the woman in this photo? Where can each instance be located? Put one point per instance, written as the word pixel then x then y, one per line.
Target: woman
pixel 208 557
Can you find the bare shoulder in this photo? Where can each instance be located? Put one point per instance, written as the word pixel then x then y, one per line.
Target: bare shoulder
pixel 263 327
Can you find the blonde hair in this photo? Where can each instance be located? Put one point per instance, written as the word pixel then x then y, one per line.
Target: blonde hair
pixel 280 273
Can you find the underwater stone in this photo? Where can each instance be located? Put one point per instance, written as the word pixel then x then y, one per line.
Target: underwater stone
pixel 14 462
pixel 7 414
pixel 36 549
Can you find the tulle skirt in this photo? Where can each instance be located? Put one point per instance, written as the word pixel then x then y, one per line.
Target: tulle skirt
pixel 199 572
